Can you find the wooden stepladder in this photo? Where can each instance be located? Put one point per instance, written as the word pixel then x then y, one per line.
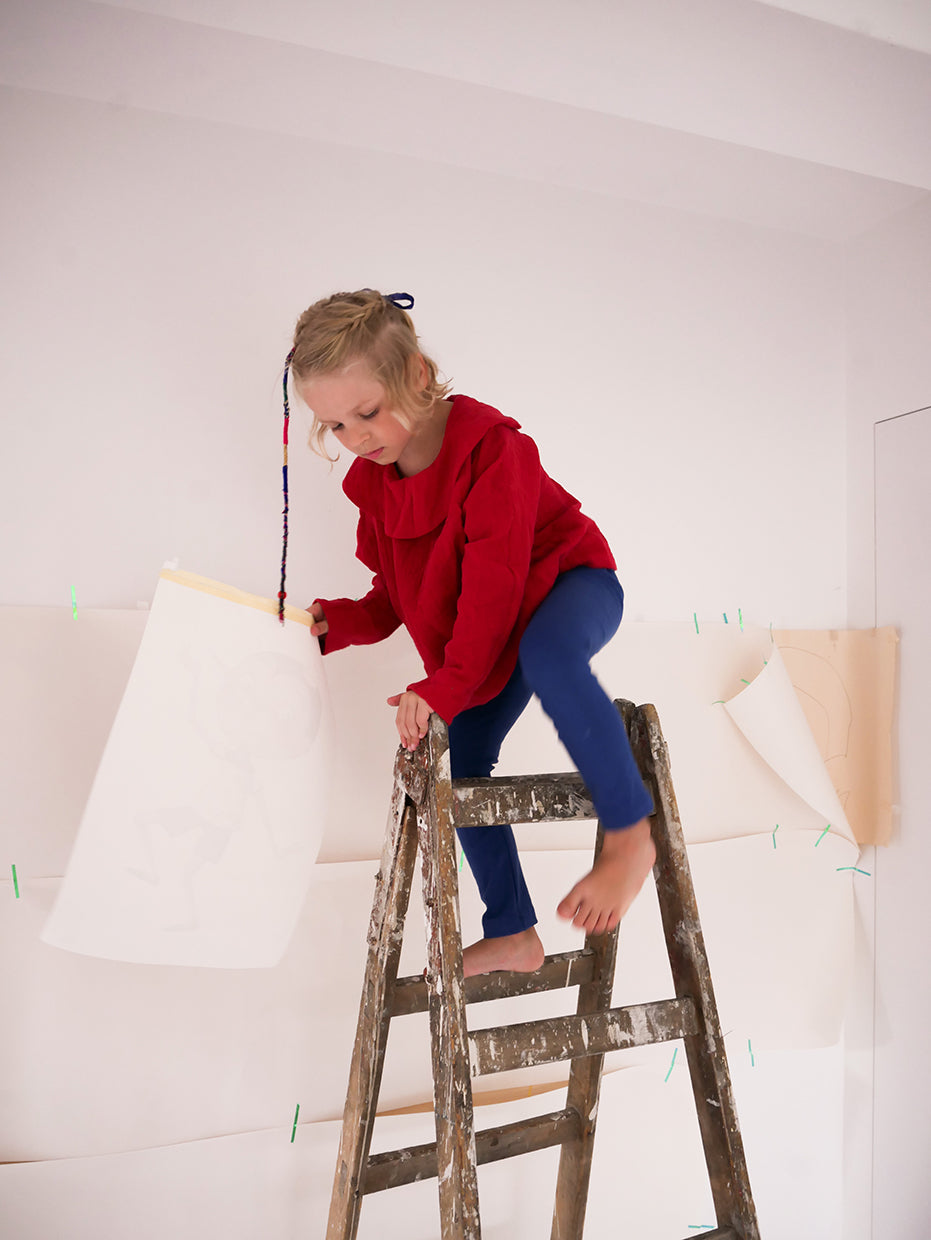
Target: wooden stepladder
pixel 427 805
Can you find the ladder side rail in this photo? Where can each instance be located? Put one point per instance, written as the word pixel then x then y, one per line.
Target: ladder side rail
pixel 452 1083
pixel 386 928
pixel 705 1051
pixel 584 1093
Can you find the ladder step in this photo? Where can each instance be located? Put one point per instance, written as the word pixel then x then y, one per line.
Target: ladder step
pixel 556 973
pixel 521 798
pixel 573 1037
pixel 418 1162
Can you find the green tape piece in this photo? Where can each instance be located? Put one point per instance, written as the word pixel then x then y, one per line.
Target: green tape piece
pixel 744 682
pixel 750 1049
pixel 724 614
pixel 673 1064
pixel 74 604
pixel 297 1112
pixel 740 617
pixel 15 882
pixel 461 859
pixel 856 869
pixel 774 835
pixel 822 835
pixel 695 618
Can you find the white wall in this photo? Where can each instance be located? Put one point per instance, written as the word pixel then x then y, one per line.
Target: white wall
pixel 888 274
pixel 669 365
pixel 889 375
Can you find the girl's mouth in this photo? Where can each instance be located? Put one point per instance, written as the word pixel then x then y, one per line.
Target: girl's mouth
pixel 371 456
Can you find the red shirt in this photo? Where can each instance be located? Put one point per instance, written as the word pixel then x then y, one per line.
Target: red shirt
pixel 463 554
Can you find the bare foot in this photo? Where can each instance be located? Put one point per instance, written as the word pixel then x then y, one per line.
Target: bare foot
pixel 599 900
pixel 517 953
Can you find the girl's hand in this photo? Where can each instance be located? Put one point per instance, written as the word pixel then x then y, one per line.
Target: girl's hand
pixel 412 718
pixel 319 626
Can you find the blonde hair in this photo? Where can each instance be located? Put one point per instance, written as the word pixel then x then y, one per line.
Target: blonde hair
pixel 368 327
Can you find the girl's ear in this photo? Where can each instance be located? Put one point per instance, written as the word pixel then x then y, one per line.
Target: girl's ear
pixel 419 374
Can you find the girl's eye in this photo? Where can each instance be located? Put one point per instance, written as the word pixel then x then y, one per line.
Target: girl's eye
pixel 336 426
pixel 367 417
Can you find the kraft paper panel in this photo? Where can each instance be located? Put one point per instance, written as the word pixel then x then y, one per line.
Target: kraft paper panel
pixel 99 1056
pixel 206 813
pixel 845 682
pixel 648 1176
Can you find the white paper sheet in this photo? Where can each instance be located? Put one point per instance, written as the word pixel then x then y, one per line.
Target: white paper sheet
pixel 770 716
pixel 724 789
pixel 208 806
pixel 100 1056
pixel 648 1176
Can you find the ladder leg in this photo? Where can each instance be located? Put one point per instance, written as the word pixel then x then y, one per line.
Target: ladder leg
pixel 392 892
pixel 575 1159
pixel 455 1126
pixel 707 1058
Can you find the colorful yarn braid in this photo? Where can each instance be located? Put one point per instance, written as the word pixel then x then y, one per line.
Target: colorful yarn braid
pixel 282 593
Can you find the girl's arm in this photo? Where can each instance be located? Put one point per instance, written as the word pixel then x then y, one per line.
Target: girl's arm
pixel 355 622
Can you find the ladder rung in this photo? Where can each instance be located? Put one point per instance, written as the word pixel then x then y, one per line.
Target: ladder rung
pixel 523 1137
pixel 521 798
pixel 573 1037
pixel 557 972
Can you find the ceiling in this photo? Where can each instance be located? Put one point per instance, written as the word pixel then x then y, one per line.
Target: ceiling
pixel 904 22
pixel 817 122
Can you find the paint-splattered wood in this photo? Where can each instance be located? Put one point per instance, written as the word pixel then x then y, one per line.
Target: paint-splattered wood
pixel 707 1058
pixel 452 1085
pixel 557 972
pixel 418 1162
pixel 720 1233
pixel 521 798
pixel 386 930
pixel 566 1037
pixel 412 773
pixel 582 1096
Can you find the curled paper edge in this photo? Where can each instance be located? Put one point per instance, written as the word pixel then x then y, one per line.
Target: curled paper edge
pixel 770 716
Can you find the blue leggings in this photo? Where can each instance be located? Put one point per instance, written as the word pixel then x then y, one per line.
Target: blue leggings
pixel 579 615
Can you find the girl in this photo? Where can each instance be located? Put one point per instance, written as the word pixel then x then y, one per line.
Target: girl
pixel 506 588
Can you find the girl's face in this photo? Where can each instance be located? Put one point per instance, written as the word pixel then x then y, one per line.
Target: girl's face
pixel 352 404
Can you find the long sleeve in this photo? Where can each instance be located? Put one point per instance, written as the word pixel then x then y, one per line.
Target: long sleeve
pixel 499 513
pixel 358 622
